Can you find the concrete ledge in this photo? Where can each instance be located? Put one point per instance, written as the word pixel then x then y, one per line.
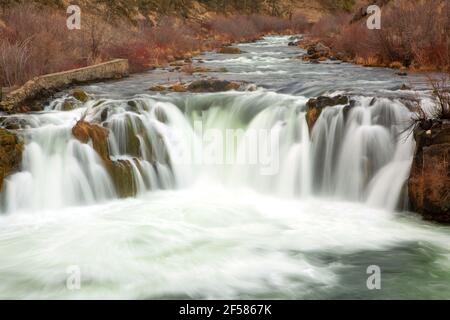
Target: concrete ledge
pixel 47 83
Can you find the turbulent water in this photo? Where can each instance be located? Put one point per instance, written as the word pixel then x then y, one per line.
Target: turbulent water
pixel 303 219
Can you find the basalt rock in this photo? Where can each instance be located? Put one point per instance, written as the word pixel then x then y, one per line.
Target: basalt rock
pixel 80 95
pixel 429 180
pixel 11 148
pixel 318 50
pixel 316 105
pixel 212 85
pixel 14 123
pixel 229 50
pixel 120 171
pixel 98 136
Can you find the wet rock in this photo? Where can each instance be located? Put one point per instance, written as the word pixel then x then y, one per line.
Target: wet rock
pixel 14 123
pixel 405 87
pixel 402 74
pixel 229 50
pixel 316 105
pixel 11 148
pixel 199 69
pixel 178 87
pixel 347 109
pixel 68 106
pixel 213 85
pixel 429 180
pixel 120 171
pixel 158 88
pixel 98 136
pixel 80 95
pixel 104 114
pixel 319 50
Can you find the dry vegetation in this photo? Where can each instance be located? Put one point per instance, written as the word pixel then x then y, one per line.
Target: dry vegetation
pixel 414 34
pixel 35 39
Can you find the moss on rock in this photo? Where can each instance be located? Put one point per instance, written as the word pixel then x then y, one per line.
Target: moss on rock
pixel 11 149
pixel 80 95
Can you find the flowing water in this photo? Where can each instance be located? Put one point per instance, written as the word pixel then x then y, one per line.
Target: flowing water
pixel 303 219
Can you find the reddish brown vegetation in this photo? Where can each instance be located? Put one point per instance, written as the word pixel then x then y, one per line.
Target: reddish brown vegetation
pixel 414 34
pixel 36 42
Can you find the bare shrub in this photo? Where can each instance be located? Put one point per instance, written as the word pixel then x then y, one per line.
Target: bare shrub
pixel 13 63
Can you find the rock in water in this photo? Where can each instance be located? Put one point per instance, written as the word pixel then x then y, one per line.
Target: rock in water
pixel 212 85
pixel 316 105
pixel 11 148
pixel 429 181
pixel 80 95
pixel 230 50
pixel 85 132
pixel 120 171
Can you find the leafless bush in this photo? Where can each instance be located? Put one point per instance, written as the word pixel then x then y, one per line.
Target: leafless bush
pixel 13 63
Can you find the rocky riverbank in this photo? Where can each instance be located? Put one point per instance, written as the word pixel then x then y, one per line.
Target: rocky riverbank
pixel 429 181
pixel 24 98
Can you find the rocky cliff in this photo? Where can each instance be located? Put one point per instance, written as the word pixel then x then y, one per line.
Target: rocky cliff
pixel 429 182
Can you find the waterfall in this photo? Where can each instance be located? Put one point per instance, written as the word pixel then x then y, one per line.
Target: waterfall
pixel 357 153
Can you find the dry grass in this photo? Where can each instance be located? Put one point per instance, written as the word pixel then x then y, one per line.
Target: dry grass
pixel 414 34
pixel 36 42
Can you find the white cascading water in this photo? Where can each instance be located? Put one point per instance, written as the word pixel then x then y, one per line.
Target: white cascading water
pixel 350 154
pixel 59 171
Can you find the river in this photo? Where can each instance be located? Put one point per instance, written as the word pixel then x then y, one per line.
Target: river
pixel 308 224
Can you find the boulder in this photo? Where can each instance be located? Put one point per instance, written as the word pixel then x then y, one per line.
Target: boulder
pixel 213 85
pixel 68 106
pixel 318 50
pixel 229 50
pixel 80 95
pixel 120 171
pixel 315 106
pixel 429 180
pixel 87 132
pixel 11 148
pixel 158 88
pixel 178 87
pixel 14 123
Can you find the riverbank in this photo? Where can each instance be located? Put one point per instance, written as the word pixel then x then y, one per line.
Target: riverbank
pixel 412 35
pixel 37 41
pixel 43 86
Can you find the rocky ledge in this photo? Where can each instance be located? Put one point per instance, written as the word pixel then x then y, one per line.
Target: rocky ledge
pixel 429 181
pixel 200 86
pixel 315 106
pixel 11 147
pixel 120 171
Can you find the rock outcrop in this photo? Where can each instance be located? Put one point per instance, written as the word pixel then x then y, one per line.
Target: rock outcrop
pixel 199 86
pixel 429 181
pixel 213 85
pixel 120 171
pixel 11 148
pixel 316 52
pixel 316 105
